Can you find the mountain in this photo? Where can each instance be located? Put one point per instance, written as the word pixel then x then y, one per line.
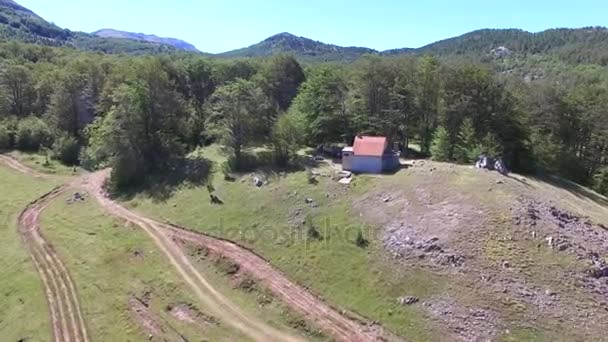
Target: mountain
pixel 178 44
pixel 579 45
pixel 19 22
pixel 304 48
pixel 22 24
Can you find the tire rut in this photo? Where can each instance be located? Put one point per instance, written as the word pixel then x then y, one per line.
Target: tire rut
pixel 66 316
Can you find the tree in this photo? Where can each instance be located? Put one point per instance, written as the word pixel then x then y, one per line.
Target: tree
pixel 240 110
pixel 490 146
pixel 281 79
pixel 145 124
pixel 19 89
pixel 33 134
pixel 428 99
pixel 441 148
pixel 67 110
pixel 322 100
pixel 467 142
pixel 287 136
pixel 66 149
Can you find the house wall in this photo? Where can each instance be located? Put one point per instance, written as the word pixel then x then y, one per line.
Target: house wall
pixel 390 162
pixel 347 161
pixel 365 164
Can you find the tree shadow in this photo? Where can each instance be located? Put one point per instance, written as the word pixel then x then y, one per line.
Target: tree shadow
pixel 192 172
pixel 266 163
pixel 573 188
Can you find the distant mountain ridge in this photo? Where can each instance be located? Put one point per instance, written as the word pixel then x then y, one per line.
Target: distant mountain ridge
pixel 581 45
pixel 177 43
pixel 301 47
pixel 22 24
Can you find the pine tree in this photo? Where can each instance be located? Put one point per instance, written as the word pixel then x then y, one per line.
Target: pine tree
pixel 490 146
pixel 465 149
pixel 441 148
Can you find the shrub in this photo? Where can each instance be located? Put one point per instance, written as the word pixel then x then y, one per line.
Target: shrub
pixel 5 138
pixel 441 149
pixel 600 181
pixel 32 134
pixel 311 230
pixel 66 149
pixel 361 241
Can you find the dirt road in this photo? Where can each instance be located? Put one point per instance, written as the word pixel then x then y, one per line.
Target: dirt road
pixel 17 166
pixel 66 317
pixel 168 238
pixel 211 297
pixel 67 321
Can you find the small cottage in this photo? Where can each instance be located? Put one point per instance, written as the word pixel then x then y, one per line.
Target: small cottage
pixel 370 155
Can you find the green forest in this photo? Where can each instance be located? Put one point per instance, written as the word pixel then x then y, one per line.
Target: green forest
pixel 142 115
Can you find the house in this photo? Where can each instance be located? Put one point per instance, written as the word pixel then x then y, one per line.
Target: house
pixel 370 155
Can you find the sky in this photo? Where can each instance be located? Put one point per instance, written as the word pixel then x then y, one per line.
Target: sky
pixel 222 25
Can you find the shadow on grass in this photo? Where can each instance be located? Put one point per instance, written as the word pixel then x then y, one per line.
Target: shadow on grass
pixel 267 164
pixel 573 188
pixel 160 187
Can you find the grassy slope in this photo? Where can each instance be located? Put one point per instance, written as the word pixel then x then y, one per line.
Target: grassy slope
pixel 344 274
pixel 38 162
pixel 360 279
pixel 24 314
pixel 100 253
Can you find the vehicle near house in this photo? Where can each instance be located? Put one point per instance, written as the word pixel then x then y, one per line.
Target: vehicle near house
pixel 370 154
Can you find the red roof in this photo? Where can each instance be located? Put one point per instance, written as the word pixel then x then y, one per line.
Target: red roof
pixel 370 146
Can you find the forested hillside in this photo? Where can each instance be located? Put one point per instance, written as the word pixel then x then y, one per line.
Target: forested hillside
pixel 20 23
pixel 142 115
pixel 176 43
pixel 585 45
pixel 304 48
pixel 538 100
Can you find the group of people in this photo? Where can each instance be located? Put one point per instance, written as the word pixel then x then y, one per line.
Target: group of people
pixel 492 164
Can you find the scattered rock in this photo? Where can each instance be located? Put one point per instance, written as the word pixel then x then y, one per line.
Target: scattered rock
pixel 386 199
pixel 344 174
pixel 345 181
pixel 550 293
pixel 258 182
pixel 500 181
pixel 309 200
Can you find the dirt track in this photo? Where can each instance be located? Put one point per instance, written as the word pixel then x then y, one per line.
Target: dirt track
pixel 17 166
pixel 67 321
pixel 222 306
pixel 314 309
pixel 66 317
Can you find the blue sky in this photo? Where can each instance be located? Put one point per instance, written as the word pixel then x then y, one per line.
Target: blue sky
pixel 222 25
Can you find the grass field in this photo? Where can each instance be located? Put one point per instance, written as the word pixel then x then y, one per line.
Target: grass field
pixel 270 220
pixel 24 313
